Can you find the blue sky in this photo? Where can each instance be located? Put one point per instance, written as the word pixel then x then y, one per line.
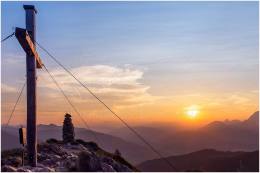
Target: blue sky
pixel 180 48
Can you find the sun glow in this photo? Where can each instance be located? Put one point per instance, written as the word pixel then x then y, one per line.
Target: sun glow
pixel 192 111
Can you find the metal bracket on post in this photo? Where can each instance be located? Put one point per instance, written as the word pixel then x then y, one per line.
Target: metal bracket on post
pixel 22 138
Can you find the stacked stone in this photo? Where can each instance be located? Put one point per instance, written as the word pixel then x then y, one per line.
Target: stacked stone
pixel 68 129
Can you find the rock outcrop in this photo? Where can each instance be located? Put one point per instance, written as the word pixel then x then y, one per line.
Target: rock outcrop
pixel 55 155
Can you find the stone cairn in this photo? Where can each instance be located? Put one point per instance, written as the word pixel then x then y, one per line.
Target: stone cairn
pixel 68 134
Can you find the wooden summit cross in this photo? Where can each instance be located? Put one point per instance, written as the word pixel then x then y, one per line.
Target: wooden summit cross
pixel 26 38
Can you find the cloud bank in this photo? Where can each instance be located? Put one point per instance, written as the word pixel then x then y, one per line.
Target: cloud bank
pixel 118 86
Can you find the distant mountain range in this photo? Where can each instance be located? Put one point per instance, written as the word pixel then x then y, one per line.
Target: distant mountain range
pixel 207 160
pixel 108 142
pixel 221 135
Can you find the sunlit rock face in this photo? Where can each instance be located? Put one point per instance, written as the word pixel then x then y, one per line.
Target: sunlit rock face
pixel 55 155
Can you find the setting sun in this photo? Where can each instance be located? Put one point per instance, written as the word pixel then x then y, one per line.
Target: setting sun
pixel 192 111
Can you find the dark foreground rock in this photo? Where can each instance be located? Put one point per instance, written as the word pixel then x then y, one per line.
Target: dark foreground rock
pixel 56 156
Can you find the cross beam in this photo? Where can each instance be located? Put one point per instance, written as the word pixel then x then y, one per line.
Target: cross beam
pixel 27 45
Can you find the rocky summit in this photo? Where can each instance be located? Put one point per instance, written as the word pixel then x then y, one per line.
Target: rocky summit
pixel 54 155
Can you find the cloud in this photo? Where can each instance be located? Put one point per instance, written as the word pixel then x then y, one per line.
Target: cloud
pixel 242 99
pixel 118 86
pixel 239 99
pixel 7 88
pixel 13 59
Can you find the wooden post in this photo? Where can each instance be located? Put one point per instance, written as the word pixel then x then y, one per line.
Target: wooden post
pixel 31 89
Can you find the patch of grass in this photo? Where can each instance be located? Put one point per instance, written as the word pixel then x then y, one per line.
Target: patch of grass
pixel 123 161
pixel 54 141
pixel 90 145
pixel 100 152
pixel 11 153
pixel 74 143
pixel 117 158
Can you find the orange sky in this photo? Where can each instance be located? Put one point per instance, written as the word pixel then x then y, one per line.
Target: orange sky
pixel 165 110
